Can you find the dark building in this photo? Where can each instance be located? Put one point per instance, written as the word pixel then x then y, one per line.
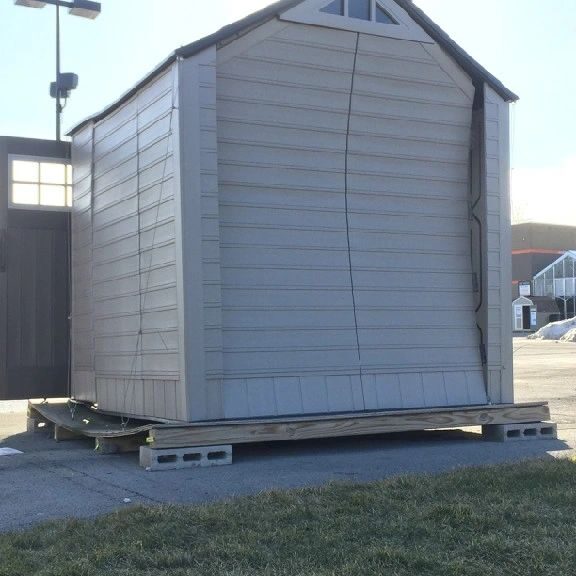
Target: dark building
pixel 35 201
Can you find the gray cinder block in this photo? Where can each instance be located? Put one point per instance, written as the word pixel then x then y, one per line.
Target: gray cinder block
pixel 34 424
pixel 520 432
pixel 177 458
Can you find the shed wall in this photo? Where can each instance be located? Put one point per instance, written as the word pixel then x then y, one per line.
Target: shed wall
pixel 344 233
pixel 200 232
pixel 82 329
pixel 498 266
pixel 125 314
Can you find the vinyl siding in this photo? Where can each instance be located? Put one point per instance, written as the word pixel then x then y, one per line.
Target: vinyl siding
pixel 286 302
pixel 129 259
pixel 201 235
pixel 498 247
pixel 82 328
pixel 288 325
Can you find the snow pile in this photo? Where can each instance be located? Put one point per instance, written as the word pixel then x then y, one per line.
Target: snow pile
pixel 570 336
pixel 556 331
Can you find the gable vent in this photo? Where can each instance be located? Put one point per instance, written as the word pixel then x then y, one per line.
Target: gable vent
pixel 367 10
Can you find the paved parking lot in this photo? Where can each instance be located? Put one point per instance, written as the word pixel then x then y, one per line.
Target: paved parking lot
pixel 51 480
pixel 546 370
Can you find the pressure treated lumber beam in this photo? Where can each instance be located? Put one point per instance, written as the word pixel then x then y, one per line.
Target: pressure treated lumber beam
pixel 329 426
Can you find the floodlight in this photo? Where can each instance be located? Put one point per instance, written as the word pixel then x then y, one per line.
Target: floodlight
pixel 67 81
pixel 85 9
pixel 30 3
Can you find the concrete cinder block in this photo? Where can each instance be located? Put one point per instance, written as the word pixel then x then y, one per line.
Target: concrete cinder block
pixel 34 424
pixel 178 458
pixel 31 425
pixel 520 432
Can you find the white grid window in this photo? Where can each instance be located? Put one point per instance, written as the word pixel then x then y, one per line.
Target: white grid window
pixel 368 10
pixel 41 183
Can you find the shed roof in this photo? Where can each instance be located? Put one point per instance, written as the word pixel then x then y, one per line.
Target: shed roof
pixel 476 71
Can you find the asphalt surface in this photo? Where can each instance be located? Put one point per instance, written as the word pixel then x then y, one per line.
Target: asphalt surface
pixel 57 480
pixel 546 370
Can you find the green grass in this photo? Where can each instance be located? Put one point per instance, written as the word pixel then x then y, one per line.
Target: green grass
pixel 512 520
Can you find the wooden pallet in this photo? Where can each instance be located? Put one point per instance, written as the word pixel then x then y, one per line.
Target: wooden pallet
pixel 110 431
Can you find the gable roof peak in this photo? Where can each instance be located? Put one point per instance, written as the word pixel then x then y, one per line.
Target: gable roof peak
pixel 476 71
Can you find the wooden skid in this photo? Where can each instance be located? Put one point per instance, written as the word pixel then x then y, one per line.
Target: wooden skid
pixel 351 424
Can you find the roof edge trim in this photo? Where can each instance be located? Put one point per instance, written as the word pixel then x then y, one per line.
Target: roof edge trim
pixel 471 66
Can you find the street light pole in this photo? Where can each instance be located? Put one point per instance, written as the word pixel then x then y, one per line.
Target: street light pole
pixel 58 105
pixel 67 82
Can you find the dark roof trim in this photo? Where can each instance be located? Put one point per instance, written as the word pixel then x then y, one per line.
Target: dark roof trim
pixel 476 71
pixel 225 33
pixel 164 65
pixel 240 27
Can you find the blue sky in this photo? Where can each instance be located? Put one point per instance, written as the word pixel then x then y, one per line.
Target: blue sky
pixel 529 44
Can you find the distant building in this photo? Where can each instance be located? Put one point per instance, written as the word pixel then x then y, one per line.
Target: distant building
pixel 543 274
pixel 558 281
pixel 534 247
pixel 531 313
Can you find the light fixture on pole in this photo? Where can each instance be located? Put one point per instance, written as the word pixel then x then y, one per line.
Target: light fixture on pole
pixel 65 82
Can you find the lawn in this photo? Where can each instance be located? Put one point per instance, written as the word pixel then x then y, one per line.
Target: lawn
pixel 512 520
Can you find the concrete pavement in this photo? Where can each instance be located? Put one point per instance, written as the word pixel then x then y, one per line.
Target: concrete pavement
pixel 51 480
pixel 546 370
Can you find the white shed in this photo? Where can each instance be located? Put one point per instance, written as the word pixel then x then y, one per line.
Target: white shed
pixel 304 213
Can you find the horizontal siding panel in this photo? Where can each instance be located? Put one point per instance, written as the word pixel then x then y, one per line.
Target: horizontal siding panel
pixel 286 295
pixel 374 145
pixel 289 72
pixel 412 318
pixel 310 98
pixel 408 128
pixel 273 50
pixel 293 338
pixel 410 110
pixel 239 131
pixel 286 216
pixel 420 243
pixel 438 92
pixel 277 318
pixel 343 41
pixel 257 236
pixel 379 66
pixel 270 257
pixel 410 223
pixel 257 362
pixel 251 154
pixel 388 204
pixel 329 119
pixel 131 271
pixel 117 175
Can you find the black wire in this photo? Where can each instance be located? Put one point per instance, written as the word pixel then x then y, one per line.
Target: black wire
pixel 346 200
pixel 480 280
pixel 348 216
